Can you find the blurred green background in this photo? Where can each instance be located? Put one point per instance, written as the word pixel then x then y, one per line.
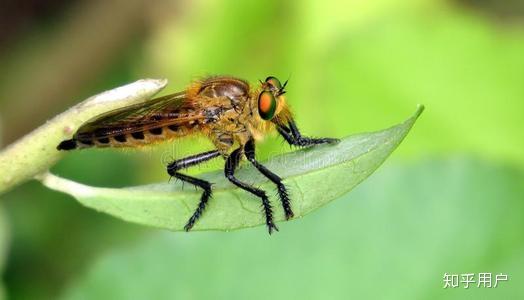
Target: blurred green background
pixel 449 200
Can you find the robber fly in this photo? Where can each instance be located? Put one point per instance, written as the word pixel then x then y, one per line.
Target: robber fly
pixel 226 110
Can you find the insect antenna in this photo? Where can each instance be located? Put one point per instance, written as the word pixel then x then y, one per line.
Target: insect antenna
pixel 285 83
pixel 281 91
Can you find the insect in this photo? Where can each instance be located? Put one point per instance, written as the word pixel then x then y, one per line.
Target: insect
pixel 227 110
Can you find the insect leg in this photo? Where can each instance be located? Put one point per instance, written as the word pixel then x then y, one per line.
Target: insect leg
pixel 229 170
pixel 293 136
pixel 285 132
pixel 249 150
pixel 187 162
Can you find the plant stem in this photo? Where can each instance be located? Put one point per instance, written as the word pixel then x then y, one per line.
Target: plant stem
pixel 36 152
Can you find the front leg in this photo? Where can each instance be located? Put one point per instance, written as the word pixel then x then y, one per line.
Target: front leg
pixel 292 135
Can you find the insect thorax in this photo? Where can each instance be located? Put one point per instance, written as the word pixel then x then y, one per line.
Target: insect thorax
pixel 235 89
pixel 227 110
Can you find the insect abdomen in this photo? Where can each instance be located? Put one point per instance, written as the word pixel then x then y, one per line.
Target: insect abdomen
pixel 130 139
pixel 67 145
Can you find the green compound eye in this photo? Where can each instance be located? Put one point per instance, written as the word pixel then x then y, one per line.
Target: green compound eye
pixel 266 105
pixel 273 81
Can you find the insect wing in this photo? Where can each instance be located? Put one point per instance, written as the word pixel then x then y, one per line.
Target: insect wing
pixel 153 113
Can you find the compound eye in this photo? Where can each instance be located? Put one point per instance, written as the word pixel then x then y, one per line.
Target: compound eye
pixel 266 105
pixel 273 81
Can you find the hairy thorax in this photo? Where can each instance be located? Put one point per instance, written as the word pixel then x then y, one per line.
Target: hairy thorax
pixel 229 112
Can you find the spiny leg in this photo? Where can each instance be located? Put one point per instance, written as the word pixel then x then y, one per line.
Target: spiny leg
pixel 293 136
pixel 229 170
pixel 249 150
pixel 187 162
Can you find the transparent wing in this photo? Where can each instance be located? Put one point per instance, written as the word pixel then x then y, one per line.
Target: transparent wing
pixel 157 112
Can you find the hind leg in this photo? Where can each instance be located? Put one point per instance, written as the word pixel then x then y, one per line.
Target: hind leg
pixel 174 167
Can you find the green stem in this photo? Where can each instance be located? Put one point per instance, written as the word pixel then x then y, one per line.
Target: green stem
pixel 36 152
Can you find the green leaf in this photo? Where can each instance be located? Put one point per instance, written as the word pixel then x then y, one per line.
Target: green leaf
pixel 315 176
pixel 402 230
pixel 36 152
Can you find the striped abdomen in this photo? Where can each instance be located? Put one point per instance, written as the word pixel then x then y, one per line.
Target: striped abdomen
pixel 131 138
